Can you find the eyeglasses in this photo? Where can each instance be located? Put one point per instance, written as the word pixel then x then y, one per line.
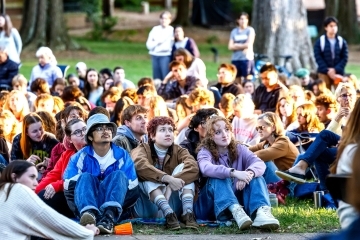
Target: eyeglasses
pixel 103 129
pixel 260 128
pixel 344 96
pixel 79 132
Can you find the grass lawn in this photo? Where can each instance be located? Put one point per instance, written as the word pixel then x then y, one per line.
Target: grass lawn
pixel 298 216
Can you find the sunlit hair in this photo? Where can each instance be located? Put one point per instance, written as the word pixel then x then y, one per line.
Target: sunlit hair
pixel 313 124
pixel 328 101
pixel 113 93
pixel 145 81
pixel 157 121
pixel 181 108
pixel 71 93
pixel 321 86
pixel 295 91
pixel 188 57
pixel 273 120
pixel 130 93
pixel 49 121
pixel 353 184
pixel 59 104
pixel 157 107
pixel 226 103
pixel 22 99
pixel 43 97
pixel 230 67
pixel 210 145
pixel 45 51
pixel 7 115
pixel 352 79
pixel 130 111
pixel 40 85
pixel 348 86
pixel 25 143
pixel 310 96
pixel 293 117
pixel 243 101
pixel 201 96
pixel 20 79
pixel 351 134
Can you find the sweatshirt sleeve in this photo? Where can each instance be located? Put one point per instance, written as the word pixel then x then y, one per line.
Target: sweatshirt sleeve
pixel 16 153
pixel 334 127
pixel 17 40
pixel 277 150
pixel 252 162
pixel 208 169
pixel 71 172
pixel 151 43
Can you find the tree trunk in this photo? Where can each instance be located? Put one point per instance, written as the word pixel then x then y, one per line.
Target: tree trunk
pixel 331 7
pixel 281 29
pixel 182 15
pixel 43 24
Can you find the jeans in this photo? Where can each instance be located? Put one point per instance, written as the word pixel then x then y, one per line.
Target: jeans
pixel 244 67
pixel 58 203
pixel 160 66
pixel 217 196
pixel 269 174
pixel 92 194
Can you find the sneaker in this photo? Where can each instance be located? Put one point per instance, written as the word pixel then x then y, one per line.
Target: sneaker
pixel 242 219
pixel 106 223
pixel 189 220
pixel 172 222
pixel 294 177
pixel 265 220
pixel 88 217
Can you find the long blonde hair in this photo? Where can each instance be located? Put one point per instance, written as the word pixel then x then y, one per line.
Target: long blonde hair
pixel 22 99
pixel 7 115
pixel 157 107
pixel 209 143
pixel 313 123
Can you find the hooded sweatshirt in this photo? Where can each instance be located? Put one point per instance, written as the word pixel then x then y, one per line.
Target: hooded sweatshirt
pixel 125 138
pixel 245 130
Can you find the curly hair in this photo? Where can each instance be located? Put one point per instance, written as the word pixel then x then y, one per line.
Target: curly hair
pixel 313 123
pixel 209 143
pixel 157 121
pixel 328 101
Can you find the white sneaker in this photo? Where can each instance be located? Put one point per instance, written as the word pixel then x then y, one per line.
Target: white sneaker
pixel 241 218
pixel 265 220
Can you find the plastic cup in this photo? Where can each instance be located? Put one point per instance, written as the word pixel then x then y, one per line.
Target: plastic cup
pixel 124 229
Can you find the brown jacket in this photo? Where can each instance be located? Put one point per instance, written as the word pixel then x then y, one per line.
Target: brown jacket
pixel 283 152
pixel 145 157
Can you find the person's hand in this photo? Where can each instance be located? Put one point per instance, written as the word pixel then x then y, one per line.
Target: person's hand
pixel 49 192
pixel 93 228
pixel 43 165
pixel 240 185
pixel 343 112
pixel 242 176
pixel 331 73
pixel 33 159
pixel 174 183
pixel 168 77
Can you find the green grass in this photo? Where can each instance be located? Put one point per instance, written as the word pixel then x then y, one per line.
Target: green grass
pixel 298 216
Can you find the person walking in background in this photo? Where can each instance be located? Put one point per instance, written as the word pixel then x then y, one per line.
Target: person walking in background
pixel 159 44
pixel 241 43
pixel 331 53
pixel 10 38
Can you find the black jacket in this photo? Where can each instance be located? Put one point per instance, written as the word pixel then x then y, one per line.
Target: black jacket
pixel 8 70
pixel 233 88
pixel 191 142
pixel 171 90
pixel 277 93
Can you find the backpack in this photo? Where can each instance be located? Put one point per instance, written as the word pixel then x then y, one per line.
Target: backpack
pixel 322 42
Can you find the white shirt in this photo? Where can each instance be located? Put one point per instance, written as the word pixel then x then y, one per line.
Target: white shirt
pixel 106 160
pixel 160 41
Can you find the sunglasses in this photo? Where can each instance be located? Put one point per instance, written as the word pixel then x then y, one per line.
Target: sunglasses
pixel 344 96
pixel 260 128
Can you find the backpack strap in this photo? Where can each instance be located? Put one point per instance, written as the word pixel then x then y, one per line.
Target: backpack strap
pixel 322 42
pixel 341 42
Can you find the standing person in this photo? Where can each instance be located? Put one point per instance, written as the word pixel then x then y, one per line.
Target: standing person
pixel 8 69
pixel 17 198
pixel 10 38
pixel 100 181
pixel 331 53
pixel 159 44
pixel 241 43
pixel 184 42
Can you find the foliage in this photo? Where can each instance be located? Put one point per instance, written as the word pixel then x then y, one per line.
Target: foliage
pixel 239 6
pixel 127 3
pixel 102 26
pixel 90 7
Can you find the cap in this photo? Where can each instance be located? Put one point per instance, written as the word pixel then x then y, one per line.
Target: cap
pixel 302 72
pixel 80 65
pixel 97 119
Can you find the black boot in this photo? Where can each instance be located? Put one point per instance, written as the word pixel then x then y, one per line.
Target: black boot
pixel 106 223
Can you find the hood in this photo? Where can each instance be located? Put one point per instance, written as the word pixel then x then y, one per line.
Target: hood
pixel 192 136
pixel 124 130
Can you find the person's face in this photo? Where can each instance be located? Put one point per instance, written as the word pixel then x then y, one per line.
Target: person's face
pixel 264 129
pixel 46 105
pixel 15 104
pixel 222 134
pixel 298 97
pixel 74 114
pixel 108 83
pixel 346 99
pixel 285 108
pixel 103 77
pixel 102 134
pixel 269 78
pixel 3 56
pixel 119 75
pixel 138 123
pixel 20 87
pixel 28 178
pixel 44 59
pixel 249 88
pixel 81 72
pixel 2 21
pixel 305 81
pixel 331 28
pixel 165 20
pixel 315 89
pixel 225 76
pixel 35 131
pixel 322 113
pixel 78 135
pixel 179 58
pixel 179 72
pixel 201 129
pixel 301 116
pixel 243 21
pixel 144 100
pixel 109 104
pixel 93 78
pixel 179 34
pixel 59 89
pixel 164 136
pixel 74 81
pixel 7 126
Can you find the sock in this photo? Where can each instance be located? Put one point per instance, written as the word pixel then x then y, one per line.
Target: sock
pixel 163 204
pixel 233 207
pixel 187 203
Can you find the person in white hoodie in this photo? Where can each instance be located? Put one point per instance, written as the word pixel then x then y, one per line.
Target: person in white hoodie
pixel 159 44
pixel 244 122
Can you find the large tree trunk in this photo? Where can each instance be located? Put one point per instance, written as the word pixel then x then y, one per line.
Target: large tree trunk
pixel 281 29
pixel 182 15
pixel 43 24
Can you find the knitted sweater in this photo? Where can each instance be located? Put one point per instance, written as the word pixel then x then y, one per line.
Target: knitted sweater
pixel 24 214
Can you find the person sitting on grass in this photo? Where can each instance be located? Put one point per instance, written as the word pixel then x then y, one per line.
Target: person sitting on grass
pixel 326 108
pixel 234 177
pixel 100 179
pixel 167 173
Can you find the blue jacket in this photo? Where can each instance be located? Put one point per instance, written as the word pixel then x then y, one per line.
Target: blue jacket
pixel 349 233
pixel 8 70
pixel 84 161
pixel 324 58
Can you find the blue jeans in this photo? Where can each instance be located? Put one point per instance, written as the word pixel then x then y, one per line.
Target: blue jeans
pixel 92 194
pixel 160 66
pixel 217 196
pixel 244 67
pixel 3 161
pixel 269 174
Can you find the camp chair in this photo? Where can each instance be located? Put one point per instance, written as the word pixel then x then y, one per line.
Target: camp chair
pixel 337 184
pixel 64 69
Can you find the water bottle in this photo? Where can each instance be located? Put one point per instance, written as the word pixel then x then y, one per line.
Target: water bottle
pixel 273 200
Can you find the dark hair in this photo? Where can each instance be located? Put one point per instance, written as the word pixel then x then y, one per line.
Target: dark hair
pixel 244 14
pixel 19 167
pixel 49 121
pixel 155 122
pixel 176 64
pixel 117 68
pixel 329 20
pixel 70 76
pixel 130 111
pixel 113 92
pixel 69 124
pixel 268 67
pixel 106 71
pixel 64 114
pixel 146 88
pixel 39 84
pixel 99 109
pixel 8 25
pixel 87 87
pixel 145 81
pixel 71 93
pixel 201 115
pixel 120 105
pixel 58 81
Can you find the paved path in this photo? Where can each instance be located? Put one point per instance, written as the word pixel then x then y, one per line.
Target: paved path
pixel 262 236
